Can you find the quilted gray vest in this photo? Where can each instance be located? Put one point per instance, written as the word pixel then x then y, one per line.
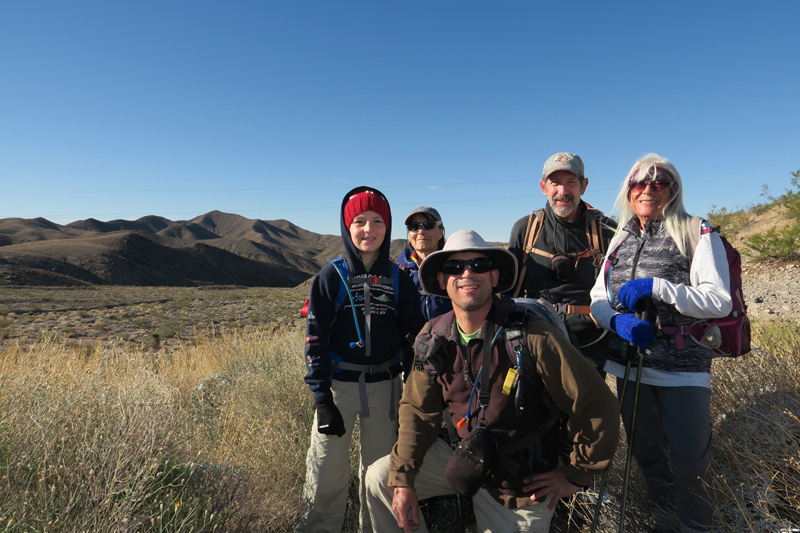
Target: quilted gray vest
pixel 655 255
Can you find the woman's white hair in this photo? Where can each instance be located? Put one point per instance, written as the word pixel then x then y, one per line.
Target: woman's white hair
pixel 676 219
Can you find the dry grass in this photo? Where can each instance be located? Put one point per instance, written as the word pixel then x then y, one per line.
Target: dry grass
pixel 212 436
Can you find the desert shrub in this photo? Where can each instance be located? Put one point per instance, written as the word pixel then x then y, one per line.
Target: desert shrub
pixel 729 222
pixel 168 329
pixel 780 243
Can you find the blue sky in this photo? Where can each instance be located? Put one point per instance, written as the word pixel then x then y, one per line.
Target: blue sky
pixel 274 109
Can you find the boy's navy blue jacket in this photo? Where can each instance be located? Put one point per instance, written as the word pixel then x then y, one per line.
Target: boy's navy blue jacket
pixel 331 331
pixel 431 305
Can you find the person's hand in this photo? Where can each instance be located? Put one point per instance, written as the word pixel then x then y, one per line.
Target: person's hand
pixel 635 290
pixel 636 331
pixel 406 508
pixel 553 482
pixel 329 419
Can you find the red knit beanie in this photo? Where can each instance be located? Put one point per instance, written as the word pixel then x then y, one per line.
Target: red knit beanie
pixel 366 201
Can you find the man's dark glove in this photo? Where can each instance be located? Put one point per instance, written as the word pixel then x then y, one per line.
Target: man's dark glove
pixel 635 290
pixel 636 331
pixel 329 419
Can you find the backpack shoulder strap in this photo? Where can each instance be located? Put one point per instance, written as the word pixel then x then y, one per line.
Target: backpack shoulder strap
pixel 694 232
pixel 698 227
pixel 594 233
pixel 438 326
pixel 531 234
pixel 396 283
pixel 534 228
pixel 339 263
pixel 522 360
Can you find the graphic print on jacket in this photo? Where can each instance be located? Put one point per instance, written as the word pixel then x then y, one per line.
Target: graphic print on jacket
pixel 340 345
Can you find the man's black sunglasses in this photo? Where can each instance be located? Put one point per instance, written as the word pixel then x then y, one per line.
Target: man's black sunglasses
pixel 425 224
pixel 479 265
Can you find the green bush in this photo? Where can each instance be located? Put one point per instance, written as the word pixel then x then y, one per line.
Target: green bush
pixel 729 222
pixel 779 243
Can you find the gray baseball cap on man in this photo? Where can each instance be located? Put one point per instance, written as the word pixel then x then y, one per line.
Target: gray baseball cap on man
pixel 563 161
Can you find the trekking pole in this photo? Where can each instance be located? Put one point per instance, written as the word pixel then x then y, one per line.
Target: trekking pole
pixel 604 479
pixel 647 314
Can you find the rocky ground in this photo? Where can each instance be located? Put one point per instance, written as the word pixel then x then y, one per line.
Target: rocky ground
pixel 772 291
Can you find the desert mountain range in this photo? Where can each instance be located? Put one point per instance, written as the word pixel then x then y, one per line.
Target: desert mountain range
pixel 212 249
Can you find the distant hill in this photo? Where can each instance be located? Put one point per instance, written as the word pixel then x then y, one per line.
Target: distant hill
pixel 215 248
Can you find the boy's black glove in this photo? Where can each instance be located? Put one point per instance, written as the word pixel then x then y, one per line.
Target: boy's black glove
pixel 329 419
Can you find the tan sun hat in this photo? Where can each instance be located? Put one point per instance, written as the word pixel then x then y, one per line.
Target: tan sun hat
pixel 467 241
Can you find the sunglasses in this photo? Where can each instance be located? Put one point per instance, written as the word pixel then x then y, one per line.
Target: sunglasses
pixel 425 224
pixel 656 185
pixel 479 265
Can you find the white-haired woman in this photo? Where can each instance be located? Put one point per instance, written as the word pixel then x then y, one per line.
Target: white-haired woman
pixel 653 273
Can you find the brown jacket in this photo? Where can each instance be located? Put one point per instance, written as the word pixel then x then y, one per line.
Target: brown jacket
pixel 571 382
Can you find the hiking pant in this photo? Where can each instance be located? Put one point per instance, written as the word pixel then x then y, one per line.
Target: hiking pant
pixel 328 459
pixel 671 446
pixel 490 515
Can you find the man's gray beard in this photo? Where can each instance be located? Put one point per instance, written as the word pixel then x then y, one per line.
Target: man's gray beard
pixel 564 211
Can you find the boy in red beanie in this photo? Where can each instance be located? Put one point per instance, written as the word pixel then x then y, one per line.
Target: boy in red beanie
pixel 361 308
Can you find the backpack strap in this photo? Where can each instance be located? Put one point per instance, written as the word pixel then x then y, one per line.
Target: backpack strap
pixel 385 367
pixel 486 372
pixel 594 239
pixel 695 230
pixel 531 234
pixel 346 286
pixel 525 367
pixel 396 284
pixel 695 227
pixel 343 269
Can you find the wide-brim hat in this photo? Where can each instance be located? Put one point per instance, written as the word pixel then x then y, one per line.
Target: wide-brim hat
pixel 467 241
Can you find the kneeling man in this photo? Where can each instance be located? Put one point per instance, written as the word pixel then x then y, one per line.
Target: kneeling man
pixel 516 381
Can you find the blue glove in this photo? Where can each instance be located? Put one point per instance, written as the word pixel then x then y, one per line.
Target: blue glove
pixel 636 331
pixel 635 290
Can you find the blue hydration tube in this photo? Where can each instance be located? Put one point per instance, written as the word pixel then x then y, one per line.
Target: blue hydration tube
pixel 360 342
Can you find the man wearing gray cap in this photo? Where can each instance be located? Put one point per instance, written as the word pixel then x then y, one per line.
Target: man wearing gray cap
pixel 504 394
pixel 559 250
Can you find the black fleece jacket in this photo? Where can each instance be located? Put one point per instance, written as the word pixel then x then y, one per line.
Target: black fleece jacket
pixel 330 331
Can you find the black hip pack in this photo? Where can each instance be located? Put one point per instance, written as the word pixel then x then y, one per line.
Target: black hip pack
pixel 472 460
pixel 475 456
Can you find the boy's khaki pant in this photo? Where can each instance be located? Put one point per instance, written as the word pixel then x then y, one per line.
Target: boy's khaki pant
pixel 328 458
pixel 489 514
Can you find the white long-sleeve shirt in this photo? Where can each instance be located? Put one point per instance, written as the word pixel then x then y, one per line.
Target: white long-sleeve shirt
pixel 708 296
